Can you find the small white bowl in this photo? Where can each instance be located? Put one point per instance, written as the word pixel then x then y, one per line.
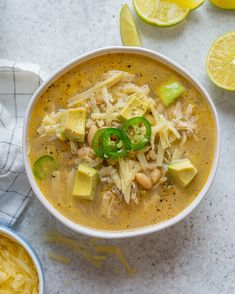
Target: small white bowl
pixel 24 243
pixel 138 231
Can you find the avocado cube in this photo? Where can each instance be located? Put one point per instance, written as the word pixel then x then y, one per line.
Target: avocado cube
pixel 73 124
pixel 170 91
pixel 85 182
pixel 135 107
pixel 182 171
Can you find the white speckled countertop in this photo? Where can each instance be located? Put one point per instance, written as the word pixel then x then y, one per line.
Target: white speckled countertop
pixel 196 255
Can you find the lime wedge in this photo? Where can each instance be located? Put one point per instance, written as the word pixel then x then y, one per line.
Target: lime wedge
pixel 191 4
pixel 128 28
pixel 221 62
pixel 225 4
pixel 161 13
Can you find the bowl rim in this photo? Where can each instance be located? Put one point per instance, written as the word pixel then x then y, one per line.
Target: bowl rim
pixel 31 251
pixel 142 230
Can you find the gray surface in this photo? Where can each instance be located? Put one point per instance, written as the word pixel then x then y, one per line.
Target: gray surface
pixel 195 256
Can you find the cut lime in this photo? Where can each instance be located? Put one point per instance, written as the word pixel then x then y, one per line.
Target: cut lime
pixel 221 62
pixel 161 13
pixel 191 4
pixel 225 4
pixel 128 28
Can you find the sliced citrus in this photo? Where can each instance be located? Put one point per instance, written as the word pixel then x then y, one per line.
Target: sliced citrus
pixel 225 4
pixel 221 62
pixel 128 28
pixel 191 4
pixel 163 13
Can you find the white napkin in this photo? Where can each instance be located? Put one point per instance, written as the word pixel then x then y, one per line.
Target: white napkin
pixel 18 82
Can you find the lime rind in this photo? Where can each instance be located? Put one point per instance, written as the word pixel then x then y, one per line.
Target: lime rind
pixel 221 7
pixel 158 22
pixel 192 4
pixel 208 60
pixel 198 6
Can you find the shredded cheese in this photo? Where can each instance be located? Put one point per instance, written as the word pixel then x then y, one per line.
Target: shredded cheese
pixel 17 271
pixel 166 131
pixel 106 204
pixel 108 249
pixel 115 78
pixel 59 258
pixel 127 171
pixel 160 154
pixel 113 173
pixel 127 88
pixel 99 255
pixel 143 161
pixel 77 246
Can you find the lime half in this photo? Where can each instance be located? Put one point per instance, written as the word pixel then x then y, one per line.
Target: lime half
pixel 221 62
pixel 224 4
pixel 191 4
pixel 128 28
pixel 161 13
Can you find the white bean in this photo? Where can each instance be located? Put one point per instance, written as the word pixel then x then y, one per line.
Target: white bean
pixel 143 180
pixel 160 108
pixel 155 176
pixel 91 134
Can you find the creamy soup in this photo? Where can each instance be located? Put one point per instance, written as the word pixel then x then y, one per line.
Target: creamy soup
pixel 121 142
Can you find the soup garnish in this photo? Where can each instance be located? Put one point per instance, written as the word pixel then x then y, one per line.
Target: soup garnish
pixel 138 130
pixel 116 142
pixel 95 253
pixel 44 166
pixel 170 91
pixel 114 155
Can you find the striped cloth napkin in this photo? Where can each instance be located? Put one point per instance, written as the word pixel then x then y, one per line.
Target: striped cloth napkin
pixel 18 82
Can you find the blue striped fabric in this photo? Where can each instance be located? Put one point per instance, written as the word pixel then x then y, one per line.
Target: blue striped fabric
pixel 18 82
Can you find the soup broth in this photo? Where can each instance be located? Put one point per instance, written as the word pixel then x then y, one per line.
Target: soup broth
pixel 147 206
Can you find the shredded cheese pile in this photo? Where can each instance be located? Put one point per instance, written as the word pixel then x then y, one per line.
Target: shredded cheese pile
pixel 93 252
pixel 17 271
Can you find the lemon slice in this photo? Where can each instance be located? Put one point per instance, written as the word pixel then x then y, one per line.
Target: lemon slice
pixel 221 62
pixel 161 13
pixel 225 4
pixel 191 4
pixel 129 31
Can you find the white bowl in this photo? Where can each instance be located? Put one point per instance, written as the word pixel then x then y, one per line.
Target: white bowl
pixel 138 231
pixel 24 243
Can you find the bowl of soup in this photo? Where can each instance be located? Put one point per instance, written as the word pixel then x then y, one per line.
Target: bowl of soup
pixel 121 142
pixel 21 269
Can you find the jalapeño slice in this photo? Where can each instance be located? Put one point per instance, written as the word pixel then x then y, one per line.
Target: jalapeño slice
pixel 44 166
pixel 138 130
pixel 97 143
pixel 116 143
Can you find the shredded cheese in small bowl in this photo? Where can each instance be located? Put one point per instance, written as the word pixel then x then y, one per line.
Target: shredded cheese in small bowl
pixel 20 267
